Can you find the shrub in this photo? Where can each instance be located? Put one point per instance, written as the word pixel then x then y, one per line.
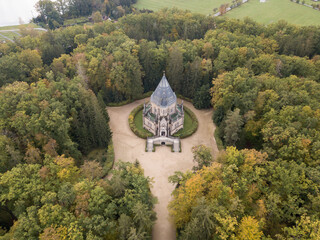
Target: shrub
pixel 183 133
pixel 133 126
pixel 193 127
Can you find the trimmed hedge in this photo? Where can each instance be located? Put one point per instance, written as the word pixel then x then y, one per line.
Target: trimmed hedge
pixel 183 133
pixel 133 127
pixel 184 98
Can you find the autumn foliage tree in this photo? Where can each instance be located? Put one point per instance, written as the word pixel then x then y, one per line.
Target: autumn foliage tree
pixel 264 84
pixel 55 201
pixel 244 195
pixel 50 117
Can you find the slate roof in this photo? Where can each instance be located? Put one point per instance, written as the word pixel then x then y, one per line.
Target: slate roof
pixel 163 96
pixel 151 116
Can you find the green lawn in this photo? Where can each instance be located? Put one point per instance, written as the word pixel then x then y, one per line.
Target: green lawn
pixel 18 26
pixel 139 123
pixel 14 34
pixel 310 2
pixel 203 6
pixel 190 125
pixel 10 35
pixel 187 124
pixel 75 20
pixel 275 10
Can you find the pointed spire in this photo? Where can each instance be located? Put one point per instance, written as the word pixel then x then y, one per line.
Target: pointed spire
pixel 164 82
pixel 163 95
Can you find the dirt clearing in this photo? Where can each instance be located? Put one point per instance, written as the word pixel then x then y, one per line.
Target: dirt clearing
pixel 162 163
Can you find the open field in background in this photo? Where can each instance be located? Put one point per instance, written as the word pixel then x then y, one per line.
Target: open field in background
pixel 19 26
pixel 10 35
pixel 268 12
pixel 203 6
pixel 78 20
pixel 13 32
pixel 275 10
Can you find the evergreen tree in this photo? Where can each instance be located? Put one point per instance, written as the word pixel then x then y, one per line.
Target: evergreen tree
pixel 202 97
pixel 233 126
pixel 175 69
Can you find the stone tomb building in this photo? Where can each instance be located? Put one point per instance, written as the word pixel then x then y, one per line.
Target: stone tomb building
pixel 163 117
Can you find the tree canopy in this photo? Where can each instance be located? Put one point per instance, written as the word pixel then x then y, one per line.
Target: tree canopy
pixel 55 201
pixel 261 80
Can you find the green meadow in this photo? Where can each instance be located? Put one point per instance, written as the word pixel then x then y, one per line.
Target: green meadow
pixel 268 12
pixel 275 10
pixel 12 32
pixel 203 6
pixel 17 27
pixel 10 35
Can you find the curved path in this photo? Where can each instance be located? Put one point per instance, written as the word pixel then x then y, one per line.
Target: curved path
pixel 162 163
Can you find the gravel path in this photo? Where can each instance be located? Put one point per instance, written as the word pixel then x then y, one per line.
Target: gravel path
pixel 161 164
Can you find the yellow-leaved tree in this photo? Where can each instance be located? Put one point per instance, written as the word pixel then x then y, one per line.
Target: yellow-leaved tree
pixel 249 229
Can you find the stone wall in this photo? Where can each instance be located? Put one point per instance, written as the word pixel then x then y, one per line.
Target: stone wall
pixel 149 125
pixel 176 126
pixel 151 141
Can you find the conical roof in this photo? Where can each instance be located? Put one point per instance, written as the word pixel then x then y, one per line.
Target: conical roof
pixel 163 96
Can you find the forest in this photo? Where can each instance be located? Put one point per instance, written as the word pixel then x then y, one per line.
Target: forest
pixel 262 81
pixel 53 14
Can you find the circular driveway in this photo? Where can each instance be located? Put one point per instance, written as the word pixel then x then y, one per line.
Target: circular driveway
pixel 162 163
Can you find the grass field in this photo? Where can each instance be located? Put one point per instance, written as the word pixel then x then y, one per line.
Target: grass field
pixel 275 10
pixel 187 125
pixel 19 26
pixel 268 12
pixel 139 123
pixel 12 32
pixel 204 6
pixel 10 35
pixel 75 21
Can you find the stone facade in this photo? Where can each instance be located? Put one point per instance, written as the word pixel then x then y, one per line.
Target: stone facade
pixel 163 116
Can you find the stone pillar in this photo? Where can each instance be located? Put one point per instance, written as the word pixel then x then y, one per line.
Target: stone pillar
pixel 149 145
pixel 182 107
pixel 176 145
